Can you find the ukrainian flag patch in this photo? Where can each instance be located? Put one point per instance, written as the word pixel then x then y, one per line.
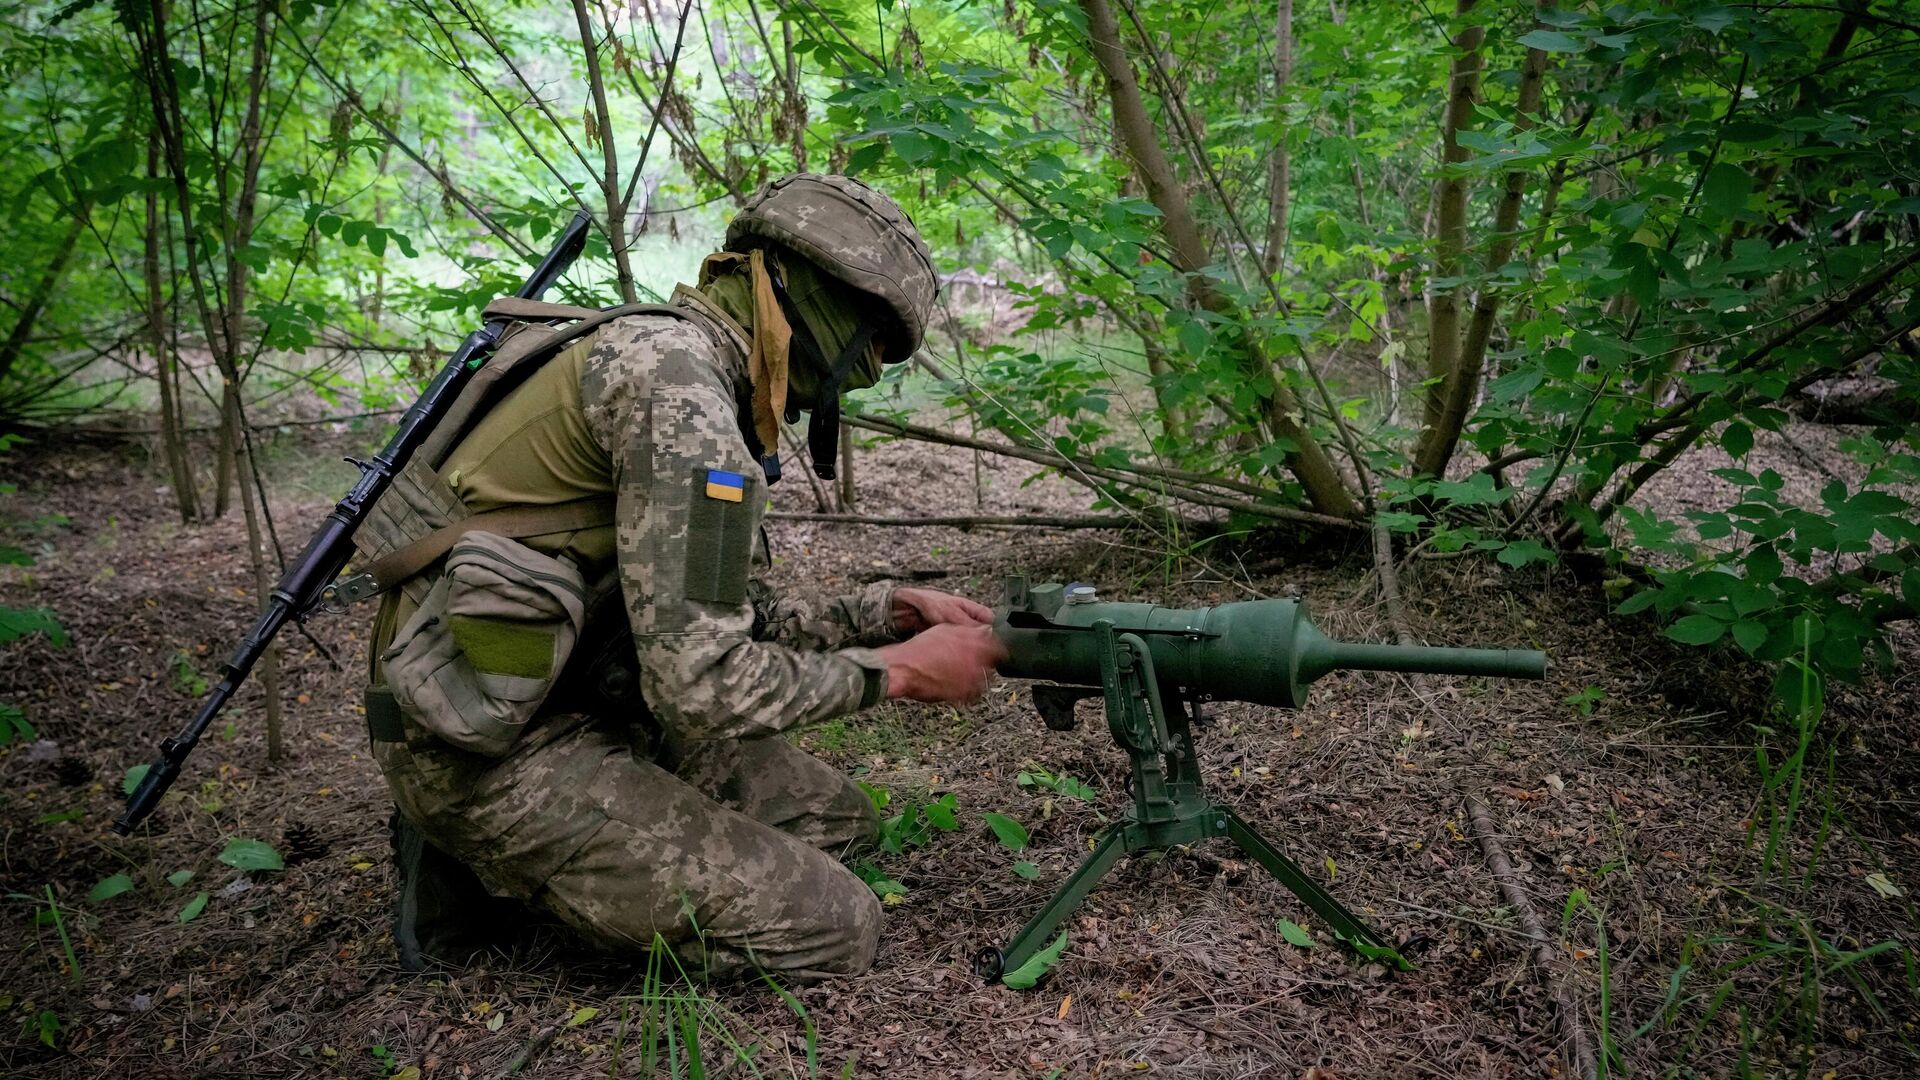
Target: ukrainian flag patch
pixel 726 486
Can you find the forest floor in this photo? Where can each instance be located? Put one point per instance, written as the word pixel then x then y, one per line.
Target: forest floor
pixel 1642 797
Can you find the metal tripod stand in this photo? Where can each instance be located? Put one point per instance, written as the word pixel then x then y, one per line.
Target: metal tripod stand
pixel 1170 804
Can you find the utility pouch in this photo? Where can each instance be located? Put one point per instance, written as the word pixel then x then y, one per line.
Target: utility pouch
pixel 476 660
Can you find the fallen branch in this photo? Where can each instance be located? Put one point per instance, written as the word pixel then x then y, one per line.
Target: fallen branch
pixel 1390 585
pixel 1175 483
pixel 1572 1030
pixel 967 521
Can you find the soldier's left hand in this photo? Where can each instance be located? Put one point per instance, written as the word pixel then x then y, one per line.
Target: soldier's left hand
pixel 915 610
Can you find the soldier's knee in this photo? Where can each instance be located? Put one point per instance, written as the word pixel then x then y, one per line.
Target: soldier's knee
pixel 861 935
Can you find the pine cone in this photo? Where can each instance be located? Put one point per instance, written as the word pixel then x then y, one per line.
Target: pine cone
pixel 72 771
pixel 301 843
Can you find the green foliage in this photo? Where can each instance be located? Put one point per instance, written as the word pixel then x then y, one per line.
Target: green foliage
pixel 1028 974
pixel 1295 934
pixel 110 887
pixel 193 909
pixel 244 854
pixel 1061 784
pixel 1011 834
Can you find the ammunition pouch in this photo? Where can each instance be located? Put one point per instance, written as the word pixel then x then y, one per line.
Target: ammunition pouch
pixel 480 655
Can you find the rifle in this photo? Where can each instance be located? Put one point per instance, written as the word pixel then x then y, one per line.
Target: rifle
pixel 309 578
pixel 1154 667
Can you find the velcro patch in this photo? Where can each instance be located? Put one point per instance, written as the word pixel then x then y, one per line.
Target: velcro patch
pixel 726 486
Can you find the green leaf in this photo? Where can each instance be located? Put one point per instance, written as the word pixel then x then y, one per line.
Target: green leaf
pixel 14 725
pixel 1910 588
pixel 133 778
pixel 110 887
pixel 1799 688
pixel 1637 603
pixel 912 147
pixel 1522 552
pixel 1643 281
pixel 1195 337
pixel 884 887
pixel 193 909
pixel 244 854
pixel 1552 41
pixel 1697 630
pixel 1385 954
pixel 1026 870
pixel 179 878
pixel 1726 189
pixel 1737 439
pixel 582 1015
pixel 1749 635
pixel 1029 973
pixel 1295 934
pixel 1012 834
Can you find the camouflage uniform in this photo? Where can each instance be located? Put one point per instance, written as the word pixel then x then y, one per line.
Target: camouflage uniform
pixel 696 823
pixel 720 830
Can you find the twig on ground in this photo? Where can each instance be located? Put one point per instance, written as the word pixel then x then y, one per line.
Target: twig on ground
pixel 534 1047
pixel 964 521
pixel 1573 1031
pixel 1389 579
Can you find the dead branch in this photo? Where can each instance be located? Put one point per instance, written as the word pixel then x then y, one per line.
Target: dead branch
pixel 968 521
pixel 1572 1030
pixel 1173 483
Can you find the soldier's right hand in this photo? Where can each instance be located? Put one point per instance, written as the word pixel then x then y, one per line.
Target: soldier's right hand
pixel 949 662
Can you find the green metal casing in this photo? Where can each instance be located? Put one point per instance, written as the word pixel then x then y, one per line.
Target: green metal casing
pixel 1154 666
pixel 1260 651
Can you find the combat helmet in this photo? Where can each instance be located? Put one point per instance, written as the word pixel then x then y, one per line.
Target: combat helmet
pixel 853 233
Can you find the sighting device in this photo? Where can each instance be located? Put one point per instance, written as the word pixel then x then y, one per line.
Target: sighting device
pixel 1154 667
pixel 310 578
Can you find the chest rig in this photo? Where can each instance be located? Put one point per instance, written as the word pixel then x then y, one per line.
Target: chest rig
pixel 412 528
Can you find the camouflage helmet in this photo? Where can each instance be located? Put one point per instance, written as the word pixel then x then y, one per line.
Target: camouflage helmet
pixel 854 234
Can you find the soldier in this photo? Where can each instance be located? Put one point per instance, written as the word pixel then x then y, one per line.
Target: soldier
pixel 503 708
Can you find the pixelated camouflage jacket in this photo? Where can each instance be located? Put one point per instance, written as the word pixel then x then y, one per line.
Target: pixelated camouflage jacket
pixel 646 409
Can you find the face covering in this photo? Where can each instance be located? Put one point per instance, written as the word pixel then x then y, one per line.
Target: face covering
pixel 835 348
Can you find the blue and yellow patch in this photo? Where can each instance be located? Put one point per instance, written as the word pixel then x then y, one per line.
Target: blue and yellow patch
pixel 726 486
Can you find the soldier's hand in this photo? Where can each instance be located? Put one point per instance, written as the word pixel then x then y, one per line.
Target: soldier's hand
pixel 915 610
pixel 943 663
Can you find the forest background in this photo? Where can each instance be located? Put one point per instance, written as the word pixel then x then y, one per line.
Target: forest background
pixel 1451 280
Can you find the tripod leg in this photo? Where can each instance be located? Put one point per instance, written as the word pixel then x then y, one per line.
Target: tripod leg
pixel 1344 923
pixel 1034 936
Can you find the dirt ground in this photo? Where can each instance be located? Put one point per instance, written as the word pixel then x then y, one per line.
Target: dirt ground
pixel 1176 965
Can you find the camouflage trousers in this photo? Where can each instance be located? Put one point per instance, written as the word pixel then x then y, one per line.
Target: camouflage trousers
pixel 726 850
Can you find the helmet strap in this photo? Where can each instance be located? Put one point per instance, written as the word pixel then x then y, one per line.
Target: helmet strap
pixel 823 426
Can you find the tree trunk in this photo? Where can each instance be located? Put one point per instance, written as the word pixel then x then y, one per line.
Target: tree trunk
pixel 1450 226
pixel 848 491
pixel 1460 393
pixel 1280 164
pixel 1307 460
pixel 610 181
pixel 269 668
pixel 22 331
pixel 173 439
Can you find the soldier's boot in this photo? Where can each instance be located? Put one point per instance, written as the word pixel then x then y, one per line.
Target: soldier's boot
pixel 441 911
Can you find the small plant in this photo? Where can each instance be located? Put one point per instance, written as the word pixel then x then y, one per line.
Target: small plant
pixel 912 826
pixel 1585 699
pixel 1059 784
pixel 186 675
pixel 45 1026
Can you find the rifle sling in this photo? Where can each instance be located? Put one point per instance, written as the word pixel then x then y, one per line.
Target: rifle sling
pixel 515 522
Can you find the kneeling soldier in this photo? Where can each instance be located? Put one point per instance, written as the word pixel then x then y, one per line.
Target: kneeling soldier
pixel 580 682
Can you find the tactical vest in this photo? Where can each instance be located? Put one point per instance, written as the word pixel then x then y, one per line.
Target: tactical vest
pixel 422 542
